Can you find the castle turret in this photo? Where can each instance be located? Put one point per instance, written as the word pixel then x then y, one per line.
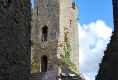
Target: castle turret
pixel 55 34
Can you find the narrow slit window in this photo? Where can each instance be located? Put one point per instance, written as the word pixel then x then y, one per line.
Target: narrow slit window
pixel 70 22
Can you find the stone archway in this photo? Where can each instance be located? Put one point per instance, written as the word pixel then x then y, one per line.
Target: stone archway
pixel 44 63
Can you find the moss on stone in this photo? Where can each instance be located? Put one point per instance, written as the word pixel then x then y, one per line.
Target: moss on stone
pixel 67 49
pixel 72 66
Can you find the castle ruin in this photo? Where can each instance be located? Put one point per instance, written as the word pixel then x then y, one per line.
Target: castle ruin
pixel 55 36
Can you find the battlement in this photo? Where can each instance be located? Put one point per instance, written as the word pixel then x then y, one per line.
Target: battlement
pixel 74 6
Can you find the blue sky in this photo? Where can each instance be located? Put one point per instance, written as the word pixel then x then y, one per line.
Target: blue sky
pixel 95 28
pixel 92 10
pixel 32 1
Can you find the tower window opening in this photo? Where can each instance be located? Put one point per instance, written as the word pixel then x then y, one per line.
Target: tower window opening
pixel 44 33
pixel 70 22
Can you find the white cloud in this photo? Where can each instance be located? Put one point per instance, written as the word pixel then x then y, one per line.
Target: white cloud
pixel 93 39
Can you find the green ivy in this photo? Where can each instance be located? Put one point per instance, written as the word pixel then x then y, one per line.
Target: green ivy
pixel 77 18
pixel 66 59
pixel 67 50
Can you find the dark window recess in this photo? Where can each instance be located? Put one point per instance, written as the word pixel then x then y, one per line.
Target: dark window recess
pixel 44 63
pixel 70 22
pixel 44 33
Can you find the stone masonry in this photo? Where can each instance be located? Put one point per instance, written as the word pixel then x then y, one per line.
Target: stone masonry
pixel 54 24
pixel 109 66
pixel 15 22
pixel 61 18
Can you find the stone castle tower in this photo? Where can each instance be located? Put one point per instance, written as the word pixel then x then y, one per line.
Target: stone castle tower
pixel 55 35
pixel 109 66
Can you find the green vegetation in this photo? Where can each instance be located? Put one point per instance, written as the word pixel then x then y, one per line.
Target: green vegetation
pixel 67 50
pixel 66 59
pixel 77 18
pixel 72 66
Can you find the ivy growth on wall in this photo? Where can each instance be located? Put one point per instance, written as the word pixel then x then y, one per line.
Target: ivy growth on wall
pixel 67 49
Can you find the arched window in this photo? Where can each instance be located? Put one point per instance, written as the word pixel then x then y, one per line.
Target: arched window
pixel 44 33
pixel 44 63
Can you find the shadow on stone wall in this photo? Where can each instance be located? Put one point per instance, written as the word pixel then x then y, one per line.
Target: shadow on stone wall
pixel 15 17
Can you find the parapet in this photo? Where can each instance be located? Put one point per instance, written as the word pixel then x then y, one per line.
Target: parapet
pixel 74 6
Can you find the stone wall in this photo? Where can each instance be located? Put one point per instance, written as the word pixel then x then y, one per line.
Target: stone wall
pixel 61 18
pixel 65 68
pixel 52 70
pixel 109 66
pixel 38 50
pixel 69 22
pixel 115 14
pixel 46 13
pixel 74 38
pixel 15 39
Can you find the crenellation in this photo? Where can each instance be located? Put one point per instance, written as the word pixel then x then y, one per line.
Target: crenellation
pixel 73 5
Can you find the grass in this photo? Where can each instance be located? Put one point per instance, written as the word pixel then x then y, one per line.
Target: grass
pixel 72 66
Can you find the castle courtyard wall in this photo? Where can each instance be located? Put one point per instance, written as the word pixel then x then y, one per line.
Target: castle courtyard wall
pixel 15 39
